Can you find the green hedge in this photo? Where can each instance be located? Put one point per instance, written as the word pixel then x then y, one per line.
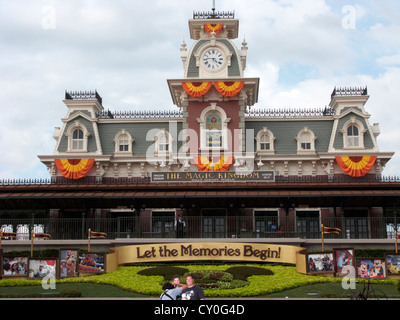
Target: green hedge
pixel 168 272
pixel 242 272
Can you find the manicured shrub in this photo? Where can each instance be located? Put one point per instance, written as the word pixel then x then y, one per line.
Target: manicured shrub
pixel 241 273
pixel 167 272
pixel 211 279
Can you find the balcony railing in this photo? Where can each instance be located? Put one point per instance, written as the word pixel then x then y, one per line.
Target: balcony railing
pixel 147 180
pixel 205 227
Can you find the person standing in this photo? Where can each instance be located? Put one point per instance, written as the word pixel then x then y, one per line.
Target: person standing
pixel 179 227
pixel 192 292
pixel 171 292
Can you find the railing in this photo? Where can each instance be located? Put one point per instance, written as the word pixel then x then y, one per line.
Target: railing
pixel 83 95
pixel 363 91
pixel 289 113
pixel 140 114
pixel 214 15
pixel 205 227
pixel 146 180
pixel 250 113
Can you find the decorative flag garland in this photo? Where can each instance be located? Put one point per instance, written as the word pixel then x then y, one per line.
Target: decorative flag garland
pixel 213 27
pixel 74 168
pixel 196 89
pixel 199 89
pixel 229 89
pixel 207 164
pixel 356 166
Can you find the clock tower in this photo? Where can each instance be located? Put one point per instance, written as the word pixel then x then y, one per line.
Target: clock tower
pixel 213 93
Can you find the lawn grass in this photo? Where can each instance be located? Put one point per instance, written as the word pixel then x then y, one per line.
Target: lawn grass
pixel 335 290
pixel 88 290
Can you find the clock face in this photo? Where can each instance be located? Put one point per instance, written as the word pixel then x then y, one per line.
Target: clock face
pixel 213 59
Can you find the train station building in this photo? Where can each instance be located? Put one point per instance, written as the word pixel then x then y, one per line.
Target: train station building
pixel 219 162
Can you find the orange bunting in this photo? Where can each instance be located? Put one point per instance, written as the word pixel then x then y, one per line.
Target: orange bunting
pixel 213 27
pixel 356 166
pixel 74 168
pixel 207 164
pixel 196 89
pixel 229 89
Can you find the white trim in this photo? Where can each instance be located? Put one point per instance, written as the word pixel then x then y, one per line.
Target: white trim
pixel 361 130
pixel 309 132
pixel 69 134
pixel 270 134
pixel 162 153
pixel 117 152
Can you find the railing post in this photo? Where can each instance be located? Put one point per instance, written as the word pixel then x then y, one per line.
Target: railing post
pixel 118 227
pixel 83 231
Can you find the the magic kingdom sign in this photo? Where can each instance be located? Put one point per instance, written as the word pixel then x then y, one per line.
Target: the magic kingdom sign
pixel 213 176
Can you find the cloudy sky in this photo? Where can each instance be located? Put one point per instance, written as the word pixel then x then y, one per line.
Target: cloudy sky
pixel 300 49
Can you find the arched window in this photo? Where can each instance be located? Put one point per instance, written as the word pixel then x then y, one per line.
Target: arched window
pixel 353 134
pixel 214 129
pixel 306 141
pixel 265 141
pixel 123 142
pixel 353 137
pixel 163 145
pixel 77 139
pixel 77 135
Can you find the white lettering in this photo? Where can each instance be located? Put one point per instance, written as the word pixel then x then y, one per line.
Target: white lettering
pixel 349 280
pixel 49 17
pixel 49 282
pixel 349 20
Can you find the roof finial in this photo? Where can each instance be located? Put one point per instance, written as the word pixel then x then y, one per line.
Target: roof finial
pixel 213 7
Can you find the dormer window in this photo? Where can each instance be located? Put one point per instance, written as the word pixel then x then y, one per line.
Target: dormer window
pixel 353 137
pixel 77 140
pixel 77 135
pixel 163 143
pixel 123 143
pixel 306 141
pixel 353 134
pixel 265 141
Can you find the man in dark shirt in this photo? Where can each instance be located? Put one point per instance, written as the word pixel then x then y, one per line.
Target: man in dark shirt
pixel 192 292
pixel 180 227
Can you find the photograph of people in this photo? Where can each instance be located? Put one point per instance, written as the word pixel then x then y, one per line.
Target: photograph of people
pixel 343 258
pixel 41 268
pixel 15 266
pixel 70 268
